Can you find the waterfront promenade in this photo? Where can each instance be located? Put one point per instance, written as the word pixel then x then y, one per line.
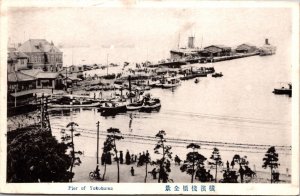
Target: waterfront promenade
pixel 82 174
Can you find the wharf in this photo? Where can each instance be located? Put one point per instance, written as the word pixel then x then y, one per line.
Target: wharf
pixel 236 56
pixel 178 64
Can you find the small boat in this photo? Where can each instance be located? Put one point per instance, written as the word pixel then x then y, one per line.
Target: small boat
pixel 70 102
pixel 171 83
pixel 209 70
pixel 284 90
pixel 196 80
pixel 150 104
pixel 216 75
pixel 134 106
pixel 112 108
pixel 193 75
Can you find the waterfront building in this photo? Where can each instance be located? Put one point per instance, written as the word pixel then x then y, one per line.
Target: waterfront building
pixel 246 48
pixel 216 51
pixel 18 81
pixel 75 69
pixel 46 80
pixel 19 88
pixel 16 60
pixel 42 54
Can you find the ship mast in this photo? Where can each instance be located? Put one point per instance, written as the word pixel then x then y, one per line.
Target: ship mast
pixel 201 42
pixel 178 41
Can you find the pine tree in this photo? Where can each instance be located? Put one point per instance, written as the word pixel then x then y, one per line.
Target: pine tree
pixel 34 155
pixel 146 160
pixel 69 139
pixel 193 160
pixel 110 144
pixel 242 161
pixel 217 161
pixel 271 160
pixel 164 163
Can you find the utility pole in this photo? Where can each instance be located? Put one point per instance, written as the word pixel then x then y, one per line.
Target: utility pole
pixel 98 123
pixel 66 78
pixel 42 110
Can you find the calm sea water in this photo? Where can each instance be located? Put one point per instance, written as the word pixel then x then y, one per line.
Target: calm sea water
pixel 237 108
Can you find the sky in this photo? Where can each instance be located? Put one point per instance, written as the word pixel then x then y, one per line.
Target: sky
pixel 147 32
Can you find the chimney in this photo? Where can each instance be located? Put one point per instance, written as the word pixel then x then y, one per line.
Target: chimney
pixel 267 41
pixel 191 42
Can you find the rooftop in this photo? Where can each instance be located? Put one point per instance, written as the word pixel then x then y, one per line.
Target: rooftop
pixel 31 72
pixel 38 45
pixel 17 76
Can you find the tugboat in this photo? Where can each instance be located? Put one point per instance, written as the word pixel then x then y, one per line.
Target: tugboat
pixel 283 90
pixel 216 75
pixel 134 106
pixel 150 104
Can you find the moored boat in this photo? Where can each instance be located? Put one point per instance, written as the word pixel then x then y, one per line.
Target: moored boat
pixel 70 102
pixel 112 108
pixel 215 75
pixel 134 106
pixel 150 104
pixel 171 83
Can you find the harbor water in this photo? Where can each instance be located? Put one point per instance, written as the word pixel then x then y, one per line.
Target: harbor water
pixel 238 108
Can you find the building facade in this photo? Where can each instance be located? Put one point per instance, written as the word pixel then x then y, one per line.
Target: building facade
pixel 42 54
pixel 216 51
pixel 16 60
pixel 246 48
pixel 46 80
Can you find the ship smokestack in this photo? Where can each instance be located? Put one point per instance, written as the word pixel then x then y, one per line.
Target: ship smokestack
pixel 267 41
pixel 191 42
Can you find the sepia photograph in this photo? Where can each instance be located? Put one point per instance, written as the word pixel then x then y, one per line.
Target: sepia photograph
pixel 183 97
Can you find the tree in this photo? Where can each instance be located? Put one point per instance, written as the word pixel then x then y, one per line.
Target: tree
pixel 146 160
pixel 193 159
pixel 110 144
pixel 106 157
pixel 242 161
pixel 217 161
pixel 34 155
pixel 69 140
pixel 164 163
pixel 271 160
